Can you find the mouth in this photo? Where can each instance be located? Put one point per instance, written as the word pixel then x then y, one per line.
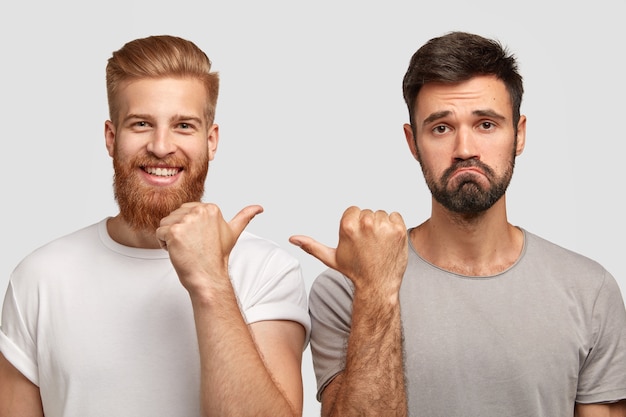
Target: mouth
pixel 466 171
pixel 161 171
pixel 458 177
pixel 469 168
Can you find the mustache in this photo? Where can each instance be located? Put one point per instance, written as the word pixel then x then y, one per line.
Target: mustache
pixel 468 163
pixel 171 161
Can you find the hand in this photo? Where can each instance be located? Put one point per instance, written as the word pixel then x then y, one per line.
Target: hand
pixel 372 249
pixel 199 240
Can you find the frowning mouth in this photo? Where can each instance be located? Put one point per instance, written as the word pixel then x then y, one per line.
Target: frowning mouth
pixel 467 170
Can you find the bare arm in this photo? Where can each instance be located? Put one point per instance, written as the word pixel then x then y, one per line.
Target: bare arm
pixel 244 378
pixel 280 344
pixel 617 409
pixel 260 363
pixel 18 396
pixel 372 252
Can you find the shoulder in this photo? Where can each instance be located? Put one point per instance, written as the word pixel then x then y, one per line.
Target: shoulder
pixel 250 242
pixel 44 266
pixel 58 250
pixel 268 281
pixel 251 249
pixel 257 265
pixel 331 279
pixel 564 267
pixel 331 289
pixel 553 255
pixel 75 240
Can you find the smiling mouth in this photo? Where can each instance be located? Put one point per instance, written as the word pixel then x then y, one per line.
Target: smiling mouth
pixel 161 172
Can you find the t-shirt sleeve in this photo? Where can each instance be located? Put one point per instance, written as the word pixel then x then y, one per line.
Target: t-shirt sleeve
pixel 271 287
pixel 603 374
pixel 16 340
pixel 330 307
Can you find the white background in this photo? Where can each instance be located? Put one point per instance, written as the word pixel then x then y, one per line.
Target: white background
pixel 311 115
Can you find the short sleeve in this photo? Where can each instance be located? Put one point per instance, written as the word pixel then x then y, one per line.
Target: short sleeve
pixel 603 374
pixel 268 282
pixel 16 341
pixel 282 295
pixel 330 307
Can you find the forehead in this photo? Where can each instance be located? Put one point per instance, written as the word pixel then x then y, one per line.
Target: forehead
pixel 478 93
pixel 157 96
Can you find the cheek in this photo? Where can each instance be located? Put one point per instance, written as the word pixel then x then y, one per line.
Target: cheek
pixel 434 159
pixel 500 161
pixel 432 168
pixel 123 152
pixel 198 150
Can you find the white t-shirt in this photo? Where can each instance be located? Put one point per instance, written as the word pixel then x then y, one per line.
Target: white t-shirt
pixel 108 330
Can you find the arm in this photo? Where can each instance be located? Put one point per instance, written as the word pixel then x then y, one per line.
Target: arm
pixel 603 376
pixel 18 396
pixel 373 378
pixel 372 252
pixel 617 409
pixel 260 363
pixel 280 344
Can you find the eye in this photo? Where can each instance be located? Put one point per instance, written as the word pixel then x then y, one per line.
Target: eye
pixel 487 125
pixel 140 125
pixel 186 127
pixel 440 129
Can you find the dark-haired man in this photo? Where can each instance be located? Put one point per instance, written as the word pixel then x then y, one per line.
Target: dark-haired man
pixel 465 314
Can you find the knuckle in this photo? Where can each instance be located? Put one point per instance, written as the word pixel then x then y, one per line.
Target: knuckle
pixel 209 208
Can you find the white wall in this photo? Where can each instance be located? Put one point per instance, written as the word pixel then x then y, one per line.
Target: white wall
pixel 311 115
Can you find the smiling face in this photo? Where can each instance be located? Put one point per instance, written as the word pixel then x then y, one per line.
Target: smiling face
pixel 161 148
pixel 465 141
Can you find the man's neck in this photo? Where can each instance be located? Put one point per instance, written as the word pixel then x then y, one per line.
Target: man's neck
pixel 121 232
pixel 477 245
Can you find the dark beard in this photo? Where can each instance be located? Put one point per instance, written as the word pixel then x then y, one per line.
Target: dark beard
pixel 469 196
pixel 143 206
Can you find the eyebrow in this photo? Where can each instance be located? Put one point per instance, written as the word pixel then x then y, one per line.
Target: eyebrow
pixel 175 118
pixel 182 117
pixel 135 116
pixel 489 113
pixel 445 113
pixel 436 116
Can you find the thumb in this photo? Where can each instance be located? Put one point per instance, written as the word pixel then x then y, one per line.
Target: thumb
pixel 243 218
pixel 316 249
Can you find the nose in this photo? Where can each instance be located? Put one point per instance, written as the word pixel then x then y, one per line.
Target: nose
pixel 161 143
pixel 465 145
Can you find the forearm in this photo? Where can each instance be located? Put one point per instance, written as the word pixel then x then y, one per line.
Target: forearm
pixel 373 380
pixel 234 378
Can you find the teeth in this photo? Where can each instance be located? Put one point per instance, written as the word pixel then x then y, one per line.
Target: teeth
pixel 162 172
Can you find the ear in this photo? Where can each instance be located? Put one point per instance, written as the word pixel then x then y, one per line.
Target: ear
pixel 410 140
pixel 109 136
pixel 521 135
pixel 213 138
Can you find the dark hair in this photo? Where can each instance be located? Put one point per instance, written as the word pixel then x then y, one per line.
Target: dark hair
pixel 459 56
pixel 158 57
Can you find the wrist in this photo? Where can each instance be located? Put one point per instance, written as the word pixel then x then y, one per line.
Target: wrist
pixel 375 296
pixel 207 288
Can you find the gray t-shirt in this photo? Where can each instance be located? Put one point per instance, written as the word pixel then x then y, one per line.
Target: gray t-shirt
pixel 530 341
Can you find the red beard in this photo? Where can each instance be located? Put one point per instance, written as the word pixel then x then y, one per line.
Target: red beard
pixel 143 206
